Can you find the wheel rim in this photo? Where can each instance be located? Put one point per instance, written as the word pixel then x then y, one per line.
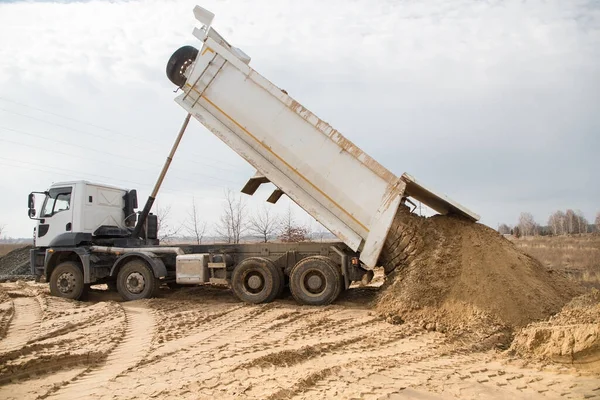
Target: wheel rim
pixel 135 282
pixel 254 282
pixel 313 282
pixel 185 66
pixel 66 282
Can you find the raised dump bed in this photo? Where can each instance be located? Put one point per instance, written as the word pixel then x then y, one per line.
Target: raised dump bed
pixel 331 178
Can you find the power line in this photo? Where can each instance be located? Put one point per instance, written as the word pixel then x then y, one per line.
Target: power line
pixel 69 170
pixel 94 149
pixel 79 173
pixel 49 171
pixel 118 165
pixel 52 123
pixel 62 116
pixel 103 138
pixel 112 131
pixel 54 151
pixel 57 141
pixel 137 186
pixel 53 172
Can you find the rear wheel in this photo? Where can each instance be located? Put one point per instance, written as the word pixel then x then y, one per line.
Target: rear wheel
pixel 179 63
pixel 316 281
pixel 67 281
pixel 257 280
pixel 136 281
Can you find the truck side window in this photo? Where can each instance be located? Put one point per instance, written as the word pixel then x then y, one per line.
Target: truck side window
pixel 48 206
pixel 58 199
pixel 63 200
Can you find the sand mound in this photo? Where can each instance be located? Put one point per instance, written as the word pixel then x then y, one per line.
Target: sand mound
pixel 451 274
pixel 572 336
pixel 16 262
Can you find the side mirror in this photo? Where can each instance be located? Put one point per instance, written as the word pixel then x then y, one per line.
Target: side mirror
pixel 31 204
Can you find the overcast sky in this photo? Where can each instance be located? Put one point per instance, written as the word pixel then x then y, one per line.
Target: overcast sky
pixel 494 103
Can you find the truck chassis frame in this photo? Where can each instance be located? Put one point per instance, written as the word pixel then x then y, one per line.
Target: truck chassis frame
pixel 104 264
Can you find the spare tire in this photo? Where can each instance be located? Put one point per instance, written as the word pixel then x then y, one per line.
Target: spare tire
pixel 179 63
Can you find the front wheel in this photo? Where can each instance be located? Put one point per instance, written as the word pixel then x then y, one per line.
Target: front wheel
pixel 316 281
pixel 136 281
pixel 67 281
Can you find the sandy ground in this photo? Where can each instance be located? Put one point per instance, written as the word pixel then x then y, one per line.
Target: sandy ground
pixel 201 343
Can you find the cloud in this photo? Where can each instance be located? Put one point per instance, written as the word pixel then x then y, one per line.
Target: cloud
pixel 493 103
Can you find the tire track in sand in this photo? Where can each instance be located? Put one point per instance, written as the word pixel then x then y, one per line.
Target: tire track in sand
pixel 131 350
pixel 24 324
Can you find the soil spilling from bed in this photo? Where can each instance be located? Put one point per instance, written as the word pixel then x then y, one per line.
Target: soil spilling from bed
pixel 453 275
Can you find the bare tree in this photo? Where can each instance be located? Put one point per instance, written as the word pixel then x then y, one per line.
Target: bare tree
pixel 527 224
pixel 582 222
pixel 166 231
pixel 232 224
pixel 597 222
pixel 290 230
pixel 557 223
pixel 195 226
pixel 571 221
pixel 504 229
pixel 319 232
pixel 264 223
pixel 2 227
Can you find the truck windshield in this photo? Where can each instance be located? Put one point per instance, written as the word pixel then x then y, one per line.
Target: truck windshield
pixel 58 199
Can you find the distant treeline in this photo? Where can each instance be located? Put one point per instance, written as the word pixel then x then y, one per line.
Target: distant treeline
pixel 559 223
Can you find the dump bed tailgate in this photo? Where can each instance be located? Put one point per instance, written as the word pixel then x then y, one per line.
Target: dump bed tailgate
pixel 439 202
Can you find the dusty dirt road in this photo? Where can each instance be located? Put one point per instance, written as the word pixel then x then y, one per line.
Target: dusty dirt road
pixel 201 343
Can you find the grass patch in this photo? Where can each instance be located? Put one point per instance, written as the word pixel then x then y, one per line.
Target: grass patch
pixel 578 256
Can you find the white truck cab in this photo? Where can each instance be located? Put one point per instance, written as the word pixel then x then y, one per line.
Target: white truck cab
pixel 79 207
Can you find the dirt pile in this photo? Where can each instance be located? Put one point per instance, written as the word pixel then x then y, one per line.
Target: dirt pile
pixel 572 336
pixel 16 262
pixel 451 274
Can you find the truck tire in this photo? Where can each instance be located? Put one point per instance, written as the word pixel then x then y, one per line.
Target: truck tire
pixel 256 280
pixel 67 281
pixel 135 281
pixel 316 281
pixel 181 59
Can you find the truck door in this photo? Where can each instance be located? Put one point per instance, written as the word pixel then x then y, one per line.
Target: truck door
pixel 56 216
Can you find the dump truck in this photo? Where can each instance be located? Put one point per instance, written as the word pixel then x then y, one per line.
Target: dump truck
pixel 91 233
